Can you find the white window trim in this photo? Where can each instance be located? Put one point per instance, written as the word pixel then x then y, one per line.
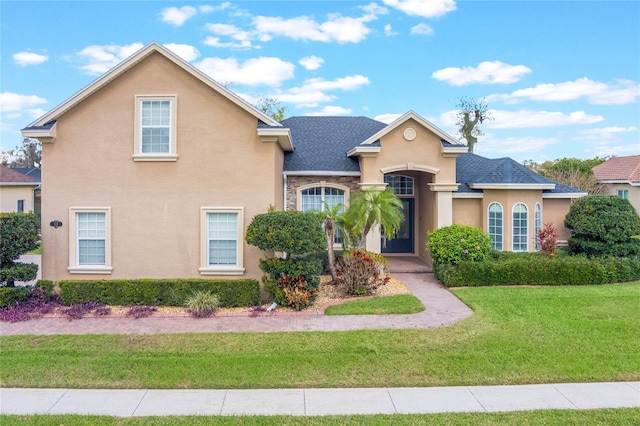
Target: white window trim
pixel 205 268
pixel 323 184
pixel 512 228
pixel 537 225
pixel 74 267
pixel 172 155
pixel 501 226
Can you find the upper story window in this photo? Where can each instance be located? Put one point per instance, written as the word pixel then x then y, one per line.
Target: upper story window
pixel 155 128
pixel 520 236
pixel 401 185
pixel 623 193
pixel 495 225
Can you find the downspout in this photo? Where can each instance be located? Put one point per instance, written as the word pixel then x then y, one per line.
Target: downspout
pixel 284 195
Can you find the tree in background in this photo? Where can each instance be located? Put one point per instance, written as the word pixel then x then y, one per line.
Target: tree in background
pixel 19 235
pixel 571 172
pixel 29 154
pixel 271 107
pixel 472 113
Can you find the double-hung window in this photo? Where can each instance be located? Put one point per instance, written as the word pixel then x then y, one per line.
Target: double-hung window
pixel 520 236
pixel 89 242
pixel 495 225
pixel 320 198
pixel 155 128
pixel 222 252
pixel 623 193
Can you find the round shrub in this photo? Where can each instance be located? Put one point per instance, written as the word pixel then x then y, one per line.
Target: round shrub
pixel 455 243
pixel 603 225
pixel 292 232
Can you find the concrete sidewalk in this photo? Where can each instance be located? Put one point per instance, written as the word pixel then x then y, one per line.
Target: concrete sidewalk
pixel 319 402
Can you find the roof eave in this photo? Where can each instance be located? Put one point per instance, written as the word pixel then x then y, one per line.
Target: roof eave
pixel 280 135
pixel 411 115
pixel 540 186
pixel 565 195
pixel 364 151
pixel 44 135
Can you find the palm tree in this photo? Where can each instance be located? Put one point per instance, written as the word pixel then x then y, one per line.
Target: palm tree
pixel 332 221
pixel 372 207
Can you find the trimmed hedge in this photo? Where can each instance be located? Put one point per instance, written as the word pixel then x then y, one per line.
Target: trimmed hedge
pixel 159 292
pixel 9 296
pixel 538 269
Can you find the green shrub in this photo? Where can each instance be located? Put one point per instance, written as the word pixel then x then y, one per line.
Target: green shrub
pixel 202 304
pixel 539 269
pixel 159 292
pixel 291 232
pixel 19 235
pixel 10 296
pixel 452 244
pixel 603 225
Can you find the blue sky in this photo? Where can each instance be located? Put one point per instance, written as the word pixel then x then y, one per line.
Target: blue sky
pixel 561 79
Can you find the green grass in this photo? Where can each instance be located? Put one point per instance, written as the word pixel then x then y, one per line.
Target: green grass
pixel 398 304
pixel 517 335
pixel 608 417
pixel 37 250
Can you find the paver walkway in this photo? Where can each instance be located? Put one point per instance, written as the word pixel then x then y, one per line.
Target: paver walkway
pixel 441 308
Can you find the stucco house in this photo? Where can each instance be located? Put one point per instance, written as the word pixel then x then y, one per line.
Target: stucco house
pixel 19 190
pixel 621 176
pixel 155 170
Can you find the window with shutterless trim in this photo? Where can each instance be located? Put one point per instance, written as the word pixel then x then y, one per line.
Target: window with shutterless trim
pixel 495 225
pixel 520 227
pixel 90 240
pixel 155 128
pixel 537 223
pixel 221 241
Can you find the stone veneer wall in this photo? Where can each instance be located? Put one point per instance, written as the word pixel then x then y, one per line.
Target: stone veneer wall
pixel 295 182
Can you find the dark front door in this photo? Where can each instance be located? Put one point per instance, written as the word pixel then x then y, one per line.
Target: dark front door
pixel 403 241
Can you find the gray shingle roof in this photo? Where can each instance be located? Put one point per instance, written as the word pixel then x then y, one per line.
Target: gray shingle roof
pixel 321 143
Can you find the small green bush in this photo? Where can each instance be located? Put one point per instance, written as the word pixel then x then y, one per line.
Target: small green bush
pixel 453 244
pixel 539 269
pixel 10 296
pixel 159 292
pixel 202 304
pixel 603 225
pixel 292 232
pixel 18 235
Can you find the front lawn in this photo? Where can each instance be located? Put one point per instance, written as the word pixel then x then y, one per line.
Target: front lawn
pixel 517 335
pixel 388 305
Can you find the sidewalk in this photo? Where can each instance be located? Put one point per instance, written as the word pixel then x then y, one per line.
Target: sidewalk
pixel 319 402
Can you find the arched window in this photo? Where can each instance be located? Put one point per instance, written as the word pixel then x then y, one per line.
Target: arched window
pixel 314 198
pixel 401 185
pixel 537 223
pixel 495 225
pixel 520 235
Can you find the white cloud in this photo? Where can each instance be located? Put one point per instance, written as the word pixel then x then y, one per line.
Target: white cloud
pixel 185 51
pixel 102 58
pixel 621 92
pixel 493 72
pixel 336 29
pixel 605 134
pixel 36 112
pixel 513 145
pixel 387 118
pixel 422 28
pixel 269 71
pixel 423 8
pixel 608 130
pixel 29 58
pixel 528 118
pixel 375 9
pixel 313 91
pixel 311 63
pixel 242 38
pixel 178 16
pixel 330 110
pixel 15 102
pixel 388 30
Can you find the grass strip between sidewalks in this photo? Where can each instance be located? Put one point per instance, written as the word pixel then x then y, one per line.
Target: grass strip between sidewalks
pixel 387 305
pixel 517 335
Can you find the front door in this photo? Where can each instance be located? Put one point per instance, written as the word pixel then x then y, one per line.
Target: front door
pixel 403 241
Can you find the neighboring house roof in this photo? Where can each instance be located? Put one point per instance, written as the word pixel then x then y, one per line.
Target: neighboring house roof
pixel 32 172
pixel 619 170
pixel 11 177
pixel 321 143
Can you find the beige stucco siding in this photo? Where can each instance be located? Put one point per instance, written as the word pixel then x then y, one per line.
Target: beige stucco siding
pixel 468 211
pixel 9 196
pixel 634 192
pixel 156 206
pixel 554 211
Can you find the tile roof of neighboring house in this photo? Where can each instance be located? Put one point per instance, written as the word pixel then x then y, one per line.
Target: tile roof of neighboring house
pixel 10 176
pixel 619 168
pixel 321 143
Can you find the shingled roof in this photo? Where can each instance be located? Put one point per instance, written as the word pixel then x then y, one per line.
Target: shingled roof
pixel 10 176
pixel 321 143
pixel 626 169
